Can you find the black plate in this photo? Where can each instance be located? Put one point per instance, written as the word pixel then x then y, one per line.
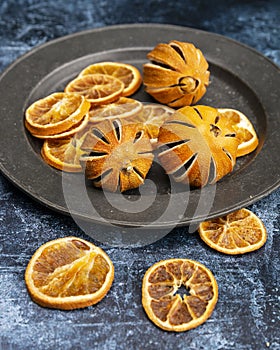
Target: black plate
pixel 241 78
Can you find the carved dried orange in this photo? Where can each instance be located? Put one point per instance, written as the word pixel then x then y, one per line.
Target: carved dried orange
pixel 177 75
pixel 197 146
pixel 56 113
pixel 170 310
pixel 97 88
pixel 125 72
pixel 245 132
pixel 119 155
pixel 69 273
pixel 236 233
pixel 123 108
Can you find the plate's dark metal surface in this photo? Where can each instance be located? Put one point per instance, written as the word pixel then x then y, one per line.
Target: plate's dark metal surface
pixel 241 78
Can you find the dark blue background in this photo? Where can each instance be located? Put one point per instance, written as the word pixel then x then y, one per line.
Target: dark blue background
pixel 247 315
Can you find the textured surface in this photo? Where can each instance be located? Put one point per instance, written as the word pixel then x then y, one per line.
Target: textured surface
pixel 247 315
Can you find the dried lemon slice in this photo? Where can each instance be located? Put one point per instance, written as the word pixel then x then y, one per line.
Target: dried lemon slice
pixel 236 233
pixel 245 132
pixel 118 155
pixel 177 75
pixel 56 113
pixel 125 72
pixel 69 273
pixel 97 88
pixel 170 310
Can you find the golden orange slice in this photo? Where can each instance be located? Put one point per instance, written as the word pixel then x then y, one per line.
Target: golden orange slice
pixel 236 233
pixel 97 88
pixel 55 113
pixel 177 74
pixel 125 72
pixel 123 108
pixel 69 273
pixel 162 298
pixel 245 132
pixel 65 153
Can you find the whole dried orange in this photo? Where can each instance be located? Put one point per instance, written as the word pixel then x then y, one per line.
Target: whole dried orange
pixel 170 310
pixel 236 233
pixel 197 146
pixel 119 155
pixel 125 72
pixel 97 88
pixel 245 132
pixel 69 273
pixel 55 113
pixel 177 75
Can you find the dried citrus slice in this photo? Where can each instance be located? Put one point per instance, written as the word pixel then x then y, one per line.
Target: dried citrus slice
pixel 153 116
pixel 55 113
pixel 163 302
pixel 123 108
pixel 127 73
pixel 244 129
pixel 64 154
pixel 236 233
pixel 97 88
pixel 197 146
pixel 119 155
pixel 69 273
pixel 70 132
pixel 177 75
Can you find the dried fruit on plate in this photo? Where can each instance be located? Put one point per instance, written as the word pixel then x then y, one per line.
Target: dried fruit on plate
pixel 69 273
pixel 236 233
pixel 56 113
pixel 125 72
pixel 97 88
pixel 177 75
pixel 119 155
pixel 162 297
pixel 245 132
pixel 197 146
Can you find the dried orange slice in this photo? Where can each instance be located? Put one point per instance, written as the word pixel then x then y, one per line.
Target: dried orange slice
pixel 177 75
pixel 244 129
pixel 97 88
pixel 123 108
pixel 152 117
pixel 236 233
pixel 127 73
pixel 69 273
pixel 55 113
pixel 64 154
pixel 197 146
pixel 119 155
pixel 170 310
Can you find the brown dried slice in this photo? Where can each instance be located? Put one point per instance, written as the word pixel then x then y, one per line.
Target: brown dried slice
pixel 197 146
pixel 56 113
pixel 236 233
pixel 123 108
pixel 69 273
pixel 177 75
pixel 163 303
pixel 118 155
pixel 97 88
pixel 127 73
